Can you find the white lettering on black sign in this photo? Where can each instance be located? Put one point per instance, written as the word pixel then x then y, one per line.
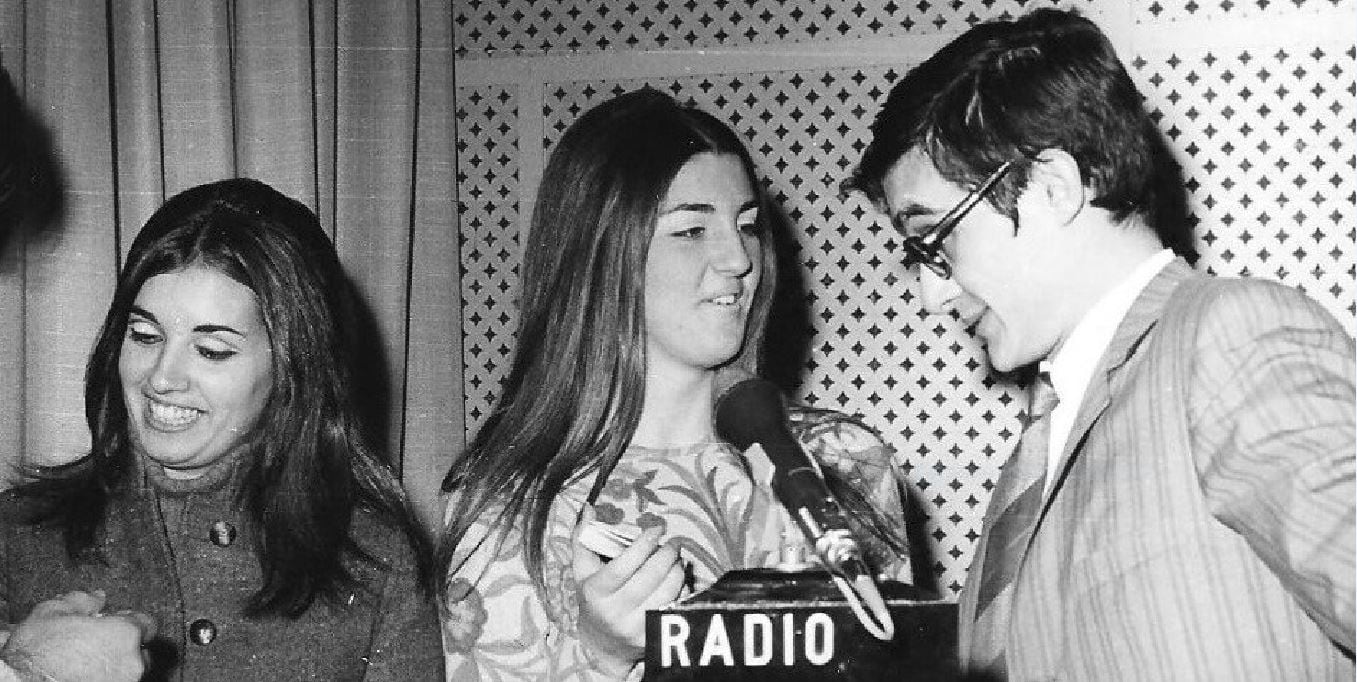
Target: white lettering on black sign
pixel 707 639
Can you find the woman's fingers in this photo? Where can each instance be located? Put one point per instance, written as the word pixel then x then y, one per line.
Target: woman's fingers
pixel 669 588
pixel 624 568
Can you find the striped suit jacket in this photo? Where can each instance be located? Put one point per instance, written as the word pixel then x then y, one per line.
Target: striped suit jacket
pixel 1201 525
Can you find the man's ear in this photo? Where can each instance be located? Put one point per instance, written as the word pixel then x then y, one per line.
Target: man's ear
pixel 1054 180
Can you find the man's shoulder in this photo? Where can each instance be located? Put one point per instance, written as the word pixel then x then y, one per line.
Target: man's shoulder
pixel 1251 302
pixel 1224 324
pixel 1244 286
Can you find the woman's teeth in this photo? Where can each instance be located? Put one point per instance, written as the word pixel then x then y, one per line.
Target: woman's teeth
pixel 173 415
pixel 728 299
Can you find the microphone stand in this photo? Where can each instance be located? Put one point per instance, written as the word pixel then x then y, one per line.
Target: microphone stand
pixel 838 552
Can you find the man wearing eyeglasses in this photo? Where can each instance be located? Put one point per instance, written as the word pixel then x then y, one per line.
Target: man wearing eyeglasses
pixel 1181 504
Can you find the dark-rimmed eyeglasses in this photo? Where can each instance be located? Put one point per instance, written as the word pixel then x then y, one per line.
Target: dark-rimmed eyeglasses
pixel 925 248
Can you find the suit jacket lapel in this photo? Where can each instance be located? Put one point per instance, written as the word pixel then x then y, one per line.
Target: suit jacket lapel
pixel 1106 380
pixel 1105 383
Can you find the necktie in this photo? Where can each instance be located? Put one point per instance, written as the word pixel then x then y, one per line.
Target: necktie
pixel 1012 515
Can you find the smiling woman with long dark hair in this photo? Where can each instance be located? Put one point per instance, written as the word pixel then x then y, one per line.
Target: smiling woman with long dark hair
pixel 230 490
pixel 649 267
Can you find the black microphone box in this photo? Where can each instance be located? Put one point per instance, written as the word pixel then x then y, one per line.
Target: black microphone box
pixel 765 624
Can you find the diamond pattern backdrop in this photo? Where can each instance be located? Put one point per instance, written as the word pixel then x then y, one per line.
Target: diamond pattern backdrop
pixel 489 28
pixel 1267 138
pixel 488 205
pixel 1150 11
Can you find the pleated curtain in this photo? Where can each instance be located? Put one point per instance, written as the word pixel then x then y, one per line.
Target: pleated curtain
pixel 344 104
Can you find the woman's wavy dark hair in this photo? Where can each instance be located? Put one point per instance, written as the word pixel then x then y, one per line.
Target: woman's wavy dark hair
pixel 307 464
pixel 572 399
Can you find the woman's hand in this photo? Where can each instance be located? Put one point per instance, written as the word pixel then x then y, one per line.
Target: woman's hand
pixel 613 596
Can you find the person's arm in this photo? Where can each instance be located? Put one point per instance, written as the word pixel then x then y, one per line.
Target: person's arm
pixel 488 575
pixel 496 627
pixel 1273 437
pixel 70 639
pixel 613 597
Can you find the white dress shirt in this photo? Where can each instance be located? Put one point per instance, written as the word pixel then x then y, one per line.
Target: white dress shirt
pixel 1072 366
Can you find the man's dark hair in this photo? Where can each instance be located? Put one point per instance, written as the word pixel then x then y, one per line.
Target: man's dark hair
pixel 1011 89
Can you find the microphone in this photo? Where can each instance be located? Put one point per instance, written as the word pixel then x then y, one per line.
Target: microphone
pixel 749 411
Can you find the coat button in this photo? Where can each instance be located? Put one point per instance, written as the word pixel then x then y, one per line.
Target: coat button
pixel 202 631
pixel 222 534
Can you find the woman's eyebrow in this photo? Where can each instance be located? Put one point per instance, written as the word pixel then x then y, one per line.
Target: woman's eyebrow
pixel 692 206
pixel 202 328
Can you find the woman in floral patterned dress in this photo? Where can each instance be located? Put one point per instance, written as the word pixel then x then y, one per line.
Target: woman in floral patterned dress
pixel 648 267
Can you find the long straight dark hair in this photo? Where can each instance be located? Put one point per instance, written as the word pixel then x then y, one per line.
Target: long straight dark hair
pixel 572 398
pixel 307 464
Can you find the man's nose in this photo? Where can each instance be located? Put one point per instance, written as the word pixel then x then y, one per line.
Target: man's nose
pixel 937 292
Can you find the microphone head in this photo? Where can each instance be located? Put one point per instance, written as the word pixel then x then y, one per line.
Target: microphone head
pixel 748 409
pixel 726 378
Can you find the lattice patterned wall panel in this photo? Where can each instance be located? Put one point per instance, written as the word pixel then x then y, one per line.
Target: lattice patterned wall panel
pixel 1268 141
pixel 1150 11
pixel 920 380
pixel 488 205
pixel 487 28
pixel 1266 135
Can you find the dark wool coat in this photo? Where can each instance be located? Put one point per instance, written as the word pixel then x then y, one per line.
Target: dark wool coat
pixel 188 558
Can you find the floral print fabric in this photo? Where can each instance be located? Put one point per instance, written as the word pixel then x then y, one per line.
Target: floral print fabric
pixel 710 501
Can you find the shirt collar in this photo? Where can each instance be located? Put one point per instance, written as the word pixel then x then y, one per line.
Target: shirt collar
pixel 1073 365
